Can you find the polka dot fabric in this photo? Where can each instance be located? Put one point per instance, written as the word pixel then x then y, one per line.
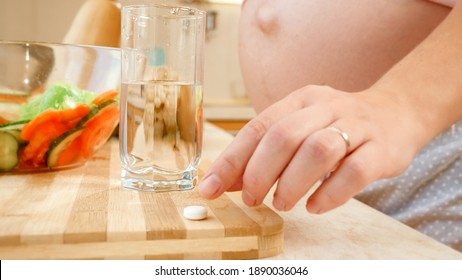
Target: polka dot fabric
pixel 428 196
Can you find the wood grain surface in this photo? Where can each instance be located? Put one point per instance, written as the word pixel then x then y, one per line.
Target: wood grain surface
pixel 84 213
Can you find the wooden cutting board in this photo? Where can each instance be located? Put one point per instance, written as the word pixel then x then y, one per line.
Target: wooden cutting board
pixel 83 213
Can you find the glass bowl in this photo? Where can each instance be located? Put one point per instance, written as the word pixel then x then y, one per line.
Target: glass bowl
pixel 58 104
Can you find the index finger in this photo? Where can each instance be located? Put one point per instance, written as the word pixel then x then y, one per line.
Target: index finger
pixel 227 171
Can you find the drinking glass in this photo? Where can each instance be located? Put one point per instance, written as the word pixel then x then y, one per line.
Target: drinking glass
pixel 161 96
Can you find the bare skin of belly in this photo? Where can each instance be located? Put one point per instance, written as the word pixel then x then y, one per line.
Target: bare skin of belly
pixel 348 45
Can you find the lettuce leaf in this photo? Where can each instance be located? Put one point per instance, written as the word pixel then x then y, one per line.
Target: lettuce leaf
pixel 58 96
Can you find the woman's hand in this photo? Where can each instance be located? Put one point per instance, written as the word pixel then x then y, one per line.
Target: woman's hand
pixel 377 132
pixel 293 143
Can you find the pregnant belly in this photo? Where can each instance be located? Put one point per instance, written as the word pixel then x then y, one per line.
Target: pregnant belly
pixel 346 44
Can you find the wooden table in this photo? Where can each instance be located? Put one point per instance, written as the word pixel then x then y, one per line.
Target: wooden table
pixel 84 213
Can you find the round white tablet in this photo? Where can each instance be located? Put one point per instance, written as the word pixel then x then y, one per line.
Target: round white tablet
pixel 195 212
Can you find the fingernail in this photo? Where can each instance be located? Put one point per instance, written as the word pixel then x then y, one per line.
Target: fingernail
pixel 278 203
pixel 313 207
pixel 210 186
pixel 248 198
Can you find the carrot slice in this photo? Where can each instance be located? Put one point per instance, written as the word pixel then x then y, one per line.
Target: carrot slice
pixel 71 154
pixel 98 129
pixel 38 91
pixel 13 99
pixel 107 95
pixel 3 120
pixel 69 117
pixel 46 127
pixel 39 142
pixel 95 133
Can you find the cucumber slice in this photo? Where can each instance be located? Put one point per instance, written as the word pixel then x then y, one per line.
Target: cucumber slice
pixel 14 125
pixel 8 151
pixel 93 112
pixel 60 144
pixel 16 134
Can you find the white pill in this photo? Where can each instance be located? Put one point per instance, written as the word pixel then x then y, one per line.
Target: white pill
pixel 195 212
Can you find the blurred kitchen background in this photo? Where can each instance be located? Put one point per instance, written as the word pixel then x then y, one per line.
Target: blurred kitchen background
pixel 225 101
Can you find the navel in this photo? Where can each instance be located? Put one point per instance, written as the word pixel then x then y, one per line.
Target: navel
pixel 267 18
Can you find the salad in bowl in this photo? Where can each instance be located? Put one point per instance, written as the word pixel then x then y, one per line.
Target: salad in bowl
pixel 58 104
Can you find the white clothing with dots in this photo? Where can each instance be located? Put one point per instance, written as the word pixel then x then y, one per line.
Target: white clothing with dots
pixel 428 195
